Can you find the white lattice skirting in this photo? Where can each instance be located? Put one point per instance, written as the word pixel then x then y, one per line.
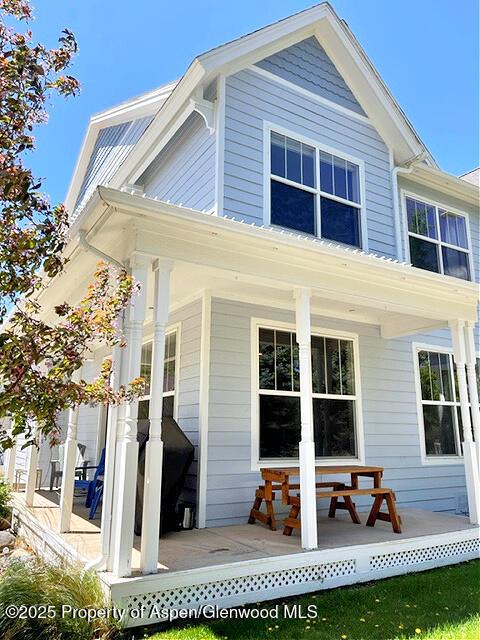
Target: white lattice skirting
pixel 270 578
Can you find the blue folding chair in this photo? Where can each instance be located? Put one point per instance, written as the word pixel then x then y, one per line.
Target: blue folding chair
pixel 97 496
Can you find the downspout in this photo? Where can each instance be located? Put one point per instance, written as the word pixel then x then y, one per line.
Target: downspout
pixel 100 561
pixel 89 248
pixel 404 169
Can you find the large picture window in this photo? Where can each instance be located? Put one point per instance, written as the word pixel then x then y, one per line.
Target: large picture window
pixel 442 421
pixel 333 395
pixel 314 192
pixel 438 239
pixel 169 376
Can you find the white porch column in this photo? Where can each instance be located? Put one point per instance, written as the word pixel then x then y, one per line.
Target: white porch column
pixel 154 447
pixel 470 359
pixel 308 502
pixel 10 455
pixel 127 450
pixel 68 474
pixel 32 464
pixel 469 450
pixel 110 453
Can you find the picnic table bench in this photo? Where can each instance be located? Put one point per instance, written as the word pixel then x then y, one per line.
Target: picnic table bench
pixel 340 494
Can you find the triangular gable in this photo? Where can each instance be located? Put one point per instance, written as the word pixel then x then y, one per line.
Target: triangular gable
pixel 307 65
pixel 338 45
pixel 112 146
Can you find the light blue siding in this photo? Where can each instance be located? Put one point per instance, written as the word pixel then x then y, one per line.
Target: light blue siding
pixel 184 171
pixel 112 146
pixel 252 99
pixel 307 65
pixel 389 415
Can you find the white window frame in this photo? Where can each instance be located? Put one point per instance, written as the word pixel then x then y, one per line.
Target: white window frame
pixel 148 337
pixel 256 462
pixel 268 128
pixel 437 241
pixel 432 460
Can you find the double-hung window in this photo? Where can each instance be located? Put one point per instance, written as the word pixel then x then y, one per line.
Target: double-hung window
pixel 169 376
pixel 314 192
pixel 438 239
pixel 334 395
pixel 440 403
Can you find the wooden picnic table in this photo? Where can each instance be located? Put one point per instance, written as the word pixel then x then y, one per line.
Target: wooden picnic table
pixel 280 478
pixel 282 475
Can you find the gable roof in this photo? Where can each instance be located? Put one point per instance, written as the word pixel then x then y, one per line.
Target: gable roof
pixel 169 105
pixel 111 135
pixel 473 176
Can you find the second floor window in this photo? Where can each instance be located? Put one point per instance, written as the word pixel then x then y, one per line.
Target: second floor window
pixel 438 239
pixel 314 192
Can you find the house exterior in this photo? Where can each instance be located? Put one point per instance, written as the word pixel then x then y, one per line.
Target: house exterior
pixel 287 225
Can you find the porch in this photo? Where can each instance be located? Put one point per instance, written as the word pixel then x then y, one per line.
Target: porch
pixel 230 565
pixel 222 283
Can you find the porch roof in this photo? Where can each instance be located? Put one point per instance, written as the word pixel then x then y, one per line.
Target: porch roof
pixel 246 261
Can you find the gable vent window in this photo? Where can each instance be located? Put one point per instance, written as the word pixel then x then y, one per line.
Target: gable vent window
pixel 314 192
pixel 438 239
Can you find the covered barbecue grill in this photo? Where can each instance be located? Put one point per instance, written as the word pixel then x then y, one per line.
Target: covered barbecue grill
pixel 178 454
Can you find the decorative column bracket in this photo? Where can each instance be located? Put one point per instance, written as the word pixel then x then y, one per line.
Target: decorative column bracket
pixel 206 109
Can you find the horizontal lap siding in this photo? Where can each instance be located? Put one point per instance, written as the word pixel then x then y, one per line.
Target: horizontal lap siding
pixel 389 414
pixel 184 171
pixel 252 99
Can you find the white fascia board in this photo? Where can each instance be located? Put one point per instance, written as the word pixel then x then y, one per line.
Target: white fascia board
pixel 146 148
pixel 371 92
pixel 143 105
pixel 81 166
pixel 445 182
pixel 261 39
pixel 366 266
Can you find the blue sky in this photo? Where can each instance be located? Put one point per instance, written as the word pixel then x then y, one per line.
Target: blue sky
pixel 425 50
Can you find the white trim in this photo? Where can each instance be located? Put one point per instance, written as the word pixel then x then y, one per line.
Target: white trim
pixel 204 401
pixel 220 147
pixel 309 94
pixel 256 462
pixel 404 194
pixel 268 128
pixel 430 460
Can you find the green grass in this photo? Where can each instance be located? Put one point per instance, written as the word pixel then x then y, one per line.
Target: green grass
pixel 436 605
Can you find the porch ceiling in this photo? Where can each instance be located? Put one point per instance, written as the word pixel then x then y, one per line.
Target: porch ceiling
pixel 246 262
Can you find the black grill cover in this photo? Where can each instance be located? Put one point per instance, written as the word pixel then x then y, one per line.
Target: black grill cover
pixel 178 454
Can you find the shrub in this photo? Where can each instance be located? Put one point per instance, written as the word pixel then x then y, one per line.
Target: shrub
pixel 5 497
pixel 33 582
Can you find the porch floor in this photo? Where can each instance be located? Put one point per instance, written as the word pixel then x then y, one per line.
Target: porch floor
pixel 236 543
